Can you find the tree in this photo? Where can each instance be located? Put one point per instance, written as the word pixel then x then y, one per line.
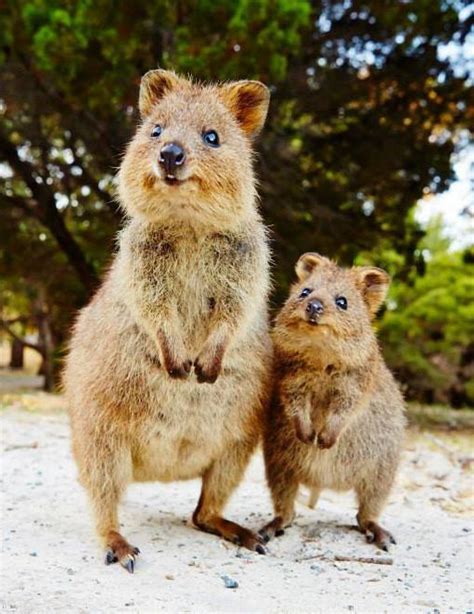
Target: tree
pixel 363 120
pixel 428 329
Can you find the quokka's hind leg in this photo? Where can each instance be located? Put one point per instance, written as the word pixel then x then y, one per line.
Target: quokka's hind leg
pixel 372 496
pixel 283 485
pixel 218 483
pixel 105 469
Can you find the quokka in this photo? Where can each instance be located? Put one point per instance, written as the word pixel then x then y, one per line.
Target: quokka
pixel 168 371
pixel 337 416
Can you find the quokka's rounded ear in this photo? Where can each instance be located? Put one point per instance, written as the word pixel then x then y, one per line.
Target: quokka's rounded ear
pixel 153 86
pixel 308 262
pixel 373 283
pixel 248 101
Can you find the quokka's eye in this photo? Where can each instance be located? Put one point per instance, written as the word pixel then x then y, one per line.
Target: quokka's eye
pixel 211 138
pixel 157 130
pixel 341 302
pixel 306 292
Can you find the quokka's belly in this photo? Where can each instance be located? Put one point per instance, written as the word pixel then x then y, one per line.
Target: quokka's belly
pixel 165 460
pixel 189 425
pixel 325 470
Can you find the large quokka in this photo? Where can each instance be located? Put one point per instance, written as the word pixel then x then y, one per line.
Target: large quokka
pixel 337 417
pixel 169 365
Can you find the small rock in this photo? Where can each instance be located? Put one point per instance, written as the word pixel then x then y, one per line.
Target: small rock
pixel 230 582
pixel 33 554
pixel 169 576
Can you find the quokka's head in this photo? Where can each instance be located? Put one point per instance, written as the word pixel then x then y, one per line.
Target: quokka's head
pixel 331 306
pixel 191 158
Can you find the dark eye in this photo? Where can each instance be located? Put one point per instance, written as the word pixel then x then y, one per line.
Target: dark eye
pixel 341 302
pixel 306 292
pixel 211 138
pixel 156 131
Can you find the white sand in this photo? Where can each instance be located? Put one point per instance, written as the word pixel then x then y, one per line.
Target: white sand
pixel 51 561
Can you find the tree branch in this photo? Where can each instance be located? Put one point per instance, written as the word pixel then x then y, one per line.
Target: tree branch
pixel 33 346
pixel 46 212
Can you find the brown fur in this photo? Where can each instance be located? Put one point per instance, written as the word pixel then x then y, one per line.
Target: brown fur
pixel 337 417
pixel 183 306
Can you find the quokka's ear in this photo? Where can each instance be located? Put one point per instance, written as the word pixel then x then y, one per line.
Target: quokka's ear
pixel 153 86
pixel 248 101
pixel 308 262
pixel 373 283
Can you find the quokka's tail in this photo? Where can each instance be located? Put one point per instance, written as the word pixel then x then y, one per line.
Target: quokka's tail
pixel 311 499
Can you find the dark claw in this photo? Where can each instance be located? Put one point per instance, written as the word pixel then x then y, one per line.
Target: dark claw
pixel 136 550
pixel 279 533
pixel 264 535
pixel 370 537
pixel 260 549
pixel 392 540
pixel 110 557
pixel 129 565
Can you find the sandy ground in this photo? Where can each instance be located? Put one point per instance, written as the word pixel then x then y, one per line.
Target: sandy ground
pixel 51 561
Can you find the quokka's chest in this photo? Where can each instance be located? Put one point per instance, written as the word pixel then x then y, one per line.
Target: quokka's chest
pixel 198 273
pixel 190 259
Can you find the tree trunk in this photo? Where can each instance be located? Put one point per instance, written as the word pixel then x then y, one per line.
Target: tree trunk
pixel 46 342
pixel 17 354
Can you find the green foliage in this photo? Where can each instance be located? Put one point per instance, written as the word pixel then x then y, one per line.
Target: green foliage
pixel 428 328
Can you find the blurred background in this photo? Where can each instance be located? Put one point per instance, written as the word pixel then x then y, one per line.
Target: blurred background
pixel 366 156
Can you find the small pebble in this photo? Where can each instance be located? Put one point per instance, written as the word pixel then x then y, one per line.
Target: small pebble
pixel 33 554
pixel 230 582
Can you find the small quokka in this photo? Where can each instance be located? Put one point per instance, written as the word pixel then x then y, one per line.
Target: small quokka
pixel 337 416
pixel 168 372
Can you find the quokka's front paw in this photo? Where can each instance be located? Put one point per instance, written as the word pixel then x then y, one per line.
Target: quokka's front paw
pixel 304 430
pixel 328 436
pixel 179 370
pixel 208 365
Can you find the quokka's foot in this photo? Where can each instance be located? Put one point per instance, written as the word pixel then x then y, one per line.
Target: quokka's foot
pixel 275 528
pixel 120 551
pixel 234 533
pixel 377 535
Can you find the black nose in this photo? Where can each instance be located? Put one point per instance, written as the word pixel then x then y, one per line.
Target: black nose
pixel 314 308
pixel 171 156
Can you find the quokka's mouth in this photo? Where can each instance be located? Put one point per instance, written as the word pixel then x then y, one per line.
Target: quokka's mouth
pixel 172 180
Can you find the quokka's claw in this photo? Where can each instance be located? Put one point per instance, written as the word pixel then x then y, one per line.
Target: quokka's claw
pixel 128 563
pixel 110 557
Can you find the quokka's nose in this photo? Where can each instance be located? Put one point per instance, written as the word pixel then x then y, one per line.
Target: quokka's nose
pixel 171 156
pixel 314 308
